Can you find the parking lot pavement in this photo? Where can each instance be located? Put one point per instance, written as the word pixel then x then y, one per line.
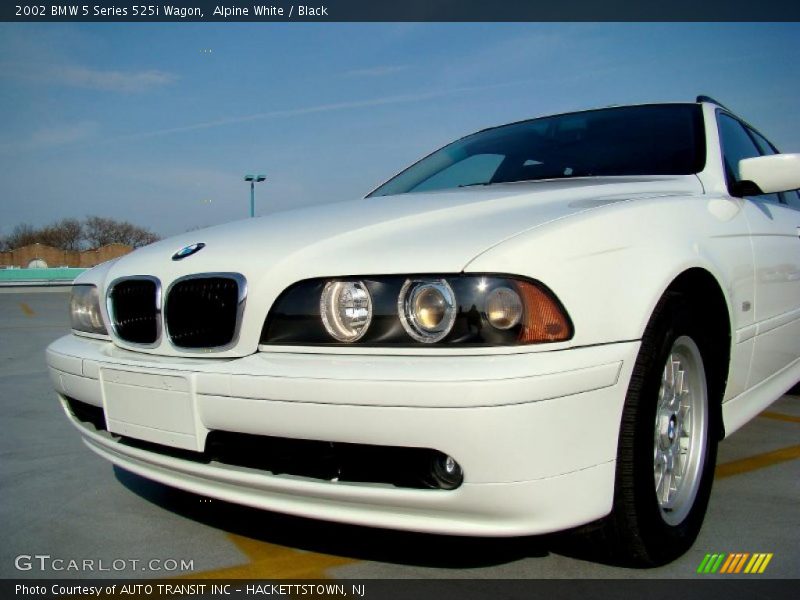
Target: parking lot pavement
pixel 61 500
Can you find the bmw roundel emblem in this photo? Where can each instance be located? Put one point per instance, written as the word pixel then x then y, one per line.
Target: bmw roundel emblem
pixel 188 251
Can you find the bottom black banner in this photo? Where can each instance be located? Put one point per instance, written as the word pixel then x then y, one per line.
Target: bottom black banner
pixel 413 589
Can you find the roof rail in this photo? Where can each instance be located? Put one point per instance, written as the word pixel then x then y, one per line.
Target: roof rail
pixel 712 101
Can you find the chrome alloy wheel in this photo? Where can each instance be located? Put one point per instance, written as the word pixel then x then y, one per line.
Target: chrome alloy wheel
pixel 681 431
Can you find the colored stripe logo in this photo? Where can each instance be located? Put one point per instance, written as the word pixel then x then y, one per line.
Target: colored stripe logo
pixel 737 562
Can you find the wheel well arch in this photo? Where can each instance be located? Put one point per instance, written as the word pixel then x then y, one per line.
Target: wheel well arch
pixel 709 306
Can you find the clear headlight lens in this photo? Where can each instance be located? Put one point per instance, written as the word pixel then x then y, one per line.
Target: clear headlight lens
pixel 427 309
pixel 84 310
pixel 346 309
pixel 503 308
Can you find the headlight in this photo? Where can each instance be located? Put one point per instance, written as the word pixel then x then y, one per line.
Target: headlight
pixel 84 310
pixel 392 310
pixel 427 309
pixel 346 309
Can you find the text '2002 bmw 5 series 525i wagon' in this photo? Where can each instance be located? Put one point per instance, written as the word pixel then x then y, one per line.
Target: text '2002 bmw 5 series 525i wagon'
pixel 542 325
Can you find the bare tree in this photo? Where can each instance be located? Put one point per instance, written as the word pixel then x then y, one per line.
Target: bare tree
pixel 142 237
pixel 101 231
pixel 71 234
pixel 66 234
pixel 23 234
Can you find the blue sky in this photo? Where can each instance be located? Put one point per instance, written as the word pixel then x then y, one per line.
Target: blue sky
pixel 157 123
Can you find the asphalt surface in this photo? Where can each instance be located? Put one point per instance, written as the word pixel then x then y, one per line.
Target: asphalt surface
pixel 59 499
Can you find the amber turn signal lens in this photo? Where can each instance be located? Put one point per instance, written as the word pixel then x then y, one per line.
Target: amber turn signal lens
pixel 543 319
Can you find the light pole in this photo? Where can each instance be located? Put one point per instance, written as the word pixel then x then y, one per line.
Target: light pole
pixel 253 179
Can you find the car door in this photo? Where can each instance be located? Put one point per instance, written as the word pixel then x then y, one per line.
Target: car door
pixel 774 233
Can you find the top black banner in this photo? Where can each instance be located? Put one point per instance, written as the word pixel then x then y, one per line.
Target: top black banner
pixel 403 10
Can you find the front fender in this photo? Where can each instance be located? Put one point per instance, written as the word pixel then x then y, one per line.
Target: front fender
pixel 610 267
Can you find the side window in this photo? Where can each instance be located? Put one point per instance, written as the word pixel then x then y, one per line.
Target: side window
pixel 736 145
pixel 763 144
pixel 791 199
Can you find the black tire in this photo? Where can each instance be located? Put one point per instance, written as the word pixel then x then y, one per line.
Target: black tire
pixel 636 532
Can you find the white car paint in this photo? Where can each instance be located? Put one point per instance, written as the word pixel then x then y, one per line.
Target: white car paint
pixel 534 427
pixel 378 236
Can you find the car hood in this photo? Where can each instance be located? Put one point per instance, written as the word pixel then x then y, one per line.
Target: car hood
pixel 435 232
pixel 410 233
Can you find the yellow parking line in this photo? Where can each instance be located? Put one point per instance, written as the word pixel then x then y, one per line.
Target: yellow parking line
pixel 759 461
pixel 271 561
pixel 768 414
pixel 29 312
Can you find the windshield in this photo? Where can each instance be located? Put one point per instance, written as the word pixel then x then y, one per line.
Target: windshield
pixel 659 139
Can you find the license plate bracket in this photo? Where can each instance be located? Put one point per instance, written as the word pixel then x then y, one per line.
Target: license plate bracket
pixel 152 407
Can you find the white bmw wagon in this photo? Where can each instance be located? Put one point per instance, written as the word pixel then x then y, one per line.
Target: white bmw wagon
pixel 542 325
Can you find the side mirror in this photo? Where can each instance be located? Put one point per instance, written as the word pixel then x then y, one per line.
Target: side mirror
pixel 769 174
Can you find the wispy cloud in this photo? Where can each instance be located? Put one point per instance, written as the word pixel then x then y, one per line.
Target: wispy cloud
pixel 376 71
pixel 51 137
pixel 50 57
pixel 81 76
pixel 112 81
pixel 66 134
pixel 320 108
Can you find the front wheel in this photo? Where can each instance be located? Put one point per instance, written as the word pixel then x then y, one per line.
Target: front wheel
pixel 667 442
pixel 680 431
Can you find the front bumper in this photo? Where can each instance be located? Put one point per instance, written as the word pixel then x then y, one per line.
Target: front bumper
pixel 535 433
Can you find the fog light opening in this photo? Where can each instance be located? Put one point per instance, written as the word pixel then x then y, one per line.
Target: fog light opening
pixel 446 473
